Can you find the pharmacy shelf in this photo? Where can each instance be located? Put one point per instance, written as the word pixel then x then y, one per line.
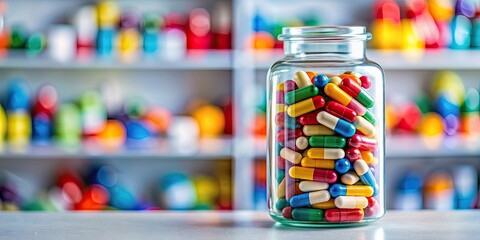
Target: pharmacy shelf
pixel 193 60
pixel 413 146
pixel 162 149
pixel 440 59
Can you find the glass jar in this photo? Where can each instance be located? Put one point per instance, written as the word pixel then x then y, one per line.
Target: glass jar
pixel 326 135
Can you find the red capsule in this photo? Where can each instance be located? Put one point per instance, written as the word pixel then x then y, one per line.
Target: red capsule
pixel 280 119
pixel 340 111
pixel 366 82
pixel 363 143
pixel 309 118
pixel 285 133
pixel 289 85
pixel 353 154
pixel 280 97
pixel 323 175
pixel 350 87
pixel 372 207
pixel 343 215
pixel 287 212
pixel 280 162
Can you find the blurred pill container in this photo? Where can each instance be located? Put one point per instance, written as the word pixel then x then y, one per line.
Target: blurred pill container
pixel 326 134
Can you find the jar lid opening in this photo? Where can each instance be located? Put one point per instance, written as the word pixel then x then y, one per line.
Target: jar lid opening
pixel 331 33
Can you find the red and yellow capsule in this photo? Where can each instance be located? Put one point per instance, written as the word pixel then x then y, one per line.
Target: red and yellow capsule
pixel 356 91
pixel 305 106
pixel 343 98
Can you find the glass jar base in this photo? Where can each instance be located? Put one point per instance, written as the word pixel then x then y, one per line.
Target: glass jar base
pixel 308 224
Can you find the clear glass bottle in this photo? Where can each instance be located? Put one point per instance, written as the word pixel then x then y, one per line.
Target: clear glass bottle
pixel 326 135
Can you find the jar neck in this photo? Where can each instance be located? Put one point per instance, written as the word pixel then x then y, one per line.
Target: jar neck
pixel 333 49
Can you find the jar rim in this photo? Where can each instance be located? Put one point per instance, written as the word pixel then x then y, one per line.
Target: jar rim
pixel 334 33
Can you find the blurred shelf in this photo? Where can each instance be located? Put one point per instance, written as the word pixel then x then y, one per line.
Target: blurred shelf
pixel 440 59
pixel 194 60
pixel 409 146
pixel 416 147
pixel 203 149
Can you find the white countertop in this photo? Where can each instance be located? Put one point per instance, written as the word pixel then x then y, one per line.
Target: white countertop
pixel 241 225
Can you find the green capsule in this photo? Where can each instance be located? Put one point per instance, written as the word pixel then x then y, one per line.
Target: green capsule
pixel 369 117
pixel 280 175
pixel 301 94
pixel 281 204
pixel 307 214
pixel 471 102
pixel 365 98
pixel 327 141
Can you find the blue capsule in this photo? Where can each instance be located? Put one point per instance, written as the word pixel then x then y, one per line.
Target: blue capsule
pixel 320 81
pixel 342 165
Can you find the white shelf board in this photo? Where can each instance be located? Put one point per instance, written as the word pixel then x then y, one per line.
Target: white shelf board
pixel 431 59
pixel 204 149
pixel 194 60
pixel 413 146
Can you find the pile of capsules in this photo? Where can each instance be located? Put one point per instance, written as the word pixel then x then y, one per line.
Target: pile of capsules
pixel 326 140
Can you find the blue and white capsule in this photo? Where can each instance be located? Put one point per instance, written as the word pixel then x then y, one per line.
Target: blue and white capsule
pixel 307 199
pixel 342 165
pixel 338 125
pixel 366 176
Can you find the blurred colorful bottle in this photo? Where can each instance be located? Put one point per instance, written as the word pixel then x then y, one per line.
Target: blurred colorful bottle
pixel 18 37
pixel 221 26
pixel 62 42
pixel 465 179
pixel 465 8
pixel 207 190
pixel 442 12
pixel 35 44
pixel 44 109
pixel 438 191
pixel 86 27
pixel 129 39
pixel 461 28
pixel 211 120
pixel 108 13
pixel 4 34
pixel 475 36
pixel 151 24
pixel 386 26
pixel 198 32
pixel 105 37
pixel 93 112
pixel 177 192
pixel 68 124
pixel 3 124
pixel 409 192
pixel 417 10
pixel 469 112
pixel 18 115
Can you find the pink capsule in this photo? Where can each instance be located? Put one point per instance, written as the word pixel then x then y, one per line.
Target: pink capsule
pixel 289 85
pixel 280 162
pixel 366 82
pixel 280 97
pixel 363 143
pixel 285 133
pixel 372 207
pixel 353 154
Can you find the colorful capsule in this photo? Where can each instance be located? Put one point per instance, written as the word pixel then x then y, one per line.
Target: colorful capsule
pixel 290 155
pixel 369 117
pixel 343 215
pixel 338 125
pixel 317 130
pixel 351 76
pixel 363 143
pixel 340 111
pixel 311 186
pixel 287 212
pixel 309 118
pixel 289 85
pixel 283 120
pixel 301 94
pixel 366 82
pixel 280 107
pixel 327 141
pixel 355 90
pixel 372 207
pixel 354 190
pixel 280 162
pixel 301 79
pixel 305 106
pixel 280 86
pixel 325 205
pixel 321 80
pixel 335 80
pixel 365 174
pixel 368 157
pixel 306 199
pixel 365 127
pixel 292 188
pixel 281 204
pixel 351 202
pixel 285 134
pixel 280 97
pixel 325 153
pixel 319 175
pixel 336 93
pixel 307 214
pixel 349 178
pixel 353 154
pixel 318 163
pixel 298 144
pixel 281 189
pixel 342 165
pixel 358 75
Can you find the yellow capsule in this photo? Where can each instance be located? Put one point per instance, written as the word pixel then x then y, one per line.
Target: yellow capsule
pixel 359 190
pixel 305 106
pixel 326 153
pixel 318 163
pixel 290 155
pixel 338 94
pixel 368 157
pixel 336 80
pixel 317 130
pixel 301 79
pixel 280 86
pixel 280 107
pixel 325 205
pixel 281 189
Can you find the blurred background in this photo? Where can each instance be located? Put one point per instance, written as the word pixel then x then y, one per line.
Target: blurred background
pixel 156 105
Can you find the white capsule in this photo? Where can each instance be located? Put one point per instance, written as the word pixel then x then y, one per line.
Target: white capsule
pixel 301 79
pixel 365 127
pixel 290 155
pixel 319 196
pixel 301 143
pixel 327 119
pixel 349 178
pixel 310 186
pixel 350 202
pixel 317 130
pixel 326 153
pixel 360 166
